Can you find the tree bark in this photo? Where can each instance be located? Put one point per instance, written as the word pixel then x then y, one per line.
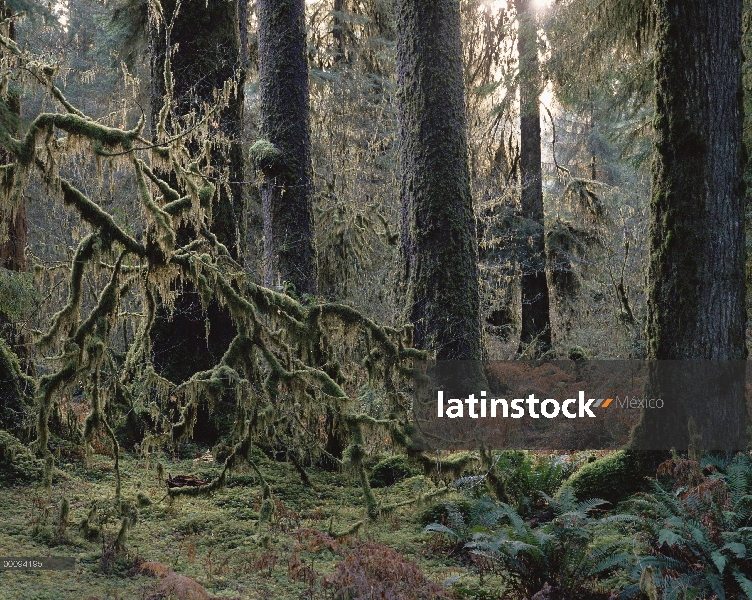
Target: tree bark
pixel 536 323
pixel 696 278
pixel 12 249
pixel 337 31
pixel 13 224
pixel 207 36
pixel 439 246
pixel 287 186
pixel 16 392
pixel 208 40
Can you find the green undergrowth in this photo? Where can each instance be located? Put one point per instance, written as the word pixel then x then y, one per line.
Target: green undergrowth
pixel 213 546
pixel 433 536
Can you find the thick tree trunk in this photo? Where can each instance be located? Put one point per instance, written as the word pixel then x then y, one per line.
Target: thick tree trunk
pixel 16 392
pixel 439 248
pixel 287 186
pixel 13 226
pixel 208 40
pixel 207 36
pixel 12 256
pixel 696 307
pixel 536 324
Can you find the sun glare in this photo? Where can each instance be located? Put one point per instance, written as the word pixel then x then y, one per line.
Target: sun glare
pixel 538 5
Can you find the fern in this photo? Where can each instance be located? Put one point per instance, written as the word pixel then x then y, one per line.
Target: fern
pixel 563 552
pixel 700 543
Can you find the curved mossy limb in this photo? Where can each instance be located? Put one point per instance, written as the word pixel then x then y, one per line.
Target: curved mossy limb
pixel 292 344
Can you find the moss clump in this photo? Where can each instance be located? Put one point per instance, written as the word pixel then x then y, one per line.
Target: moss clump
pixel 439 512
pixel 577 353
pixel 17 462
pixel 266 155
pixel 612 478
pixel 447 468
pixel 122 535
pixel 90 525
pixel 392 470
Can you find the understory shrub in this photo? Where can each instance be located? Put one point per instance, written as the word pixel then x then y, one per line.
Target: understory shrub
pixel 698 531
pixel 567 553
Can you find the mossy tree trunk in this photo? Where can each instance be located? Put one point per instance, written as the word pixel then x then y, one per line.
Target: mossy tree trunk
pixel 13 228
pixel 438 247
pixel 13 224
pixel 536 323
pixel 208 40
pixel 287 187
pixel 207 36
pixel 338 31
pixel 16 391
pixel 696 303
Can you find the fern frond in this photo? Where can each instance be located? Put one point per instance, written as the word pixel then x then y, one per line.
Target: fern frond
pixel 439 528
pixel 744 583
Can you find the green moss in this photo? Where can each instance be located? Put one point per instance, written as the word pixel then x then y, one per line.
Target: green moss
pixel 439 512
pixel 16 390
pixel 266 155
pixel 392 470
pixel 17 462
pixel 612 478
pixel 577 353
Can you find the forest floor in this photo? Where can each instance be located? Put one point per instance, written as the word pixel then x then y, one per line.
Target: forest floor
pixel 206 547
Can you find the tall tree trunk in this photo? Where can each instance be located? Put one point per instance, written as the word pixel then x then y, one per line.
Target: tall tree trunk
pixel 439 247
pixel 536 323
pixel 208 40
pixel 13 225
pixel 16 391
pixel 287 187
pixel 696 307
pixel 337 31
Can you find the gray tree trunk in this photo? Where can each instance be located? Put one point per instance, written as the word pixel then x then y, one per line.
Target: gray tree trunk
pixel 12 250
pixel 439 247
pixel 287 187
pixel 536 323
pixel 696 307
pixel 13 226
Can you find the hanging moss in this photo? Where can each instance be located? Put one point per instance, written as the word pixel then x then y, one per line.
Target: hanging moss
pixel 89 525
pixel 122 535
pixel 280 365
